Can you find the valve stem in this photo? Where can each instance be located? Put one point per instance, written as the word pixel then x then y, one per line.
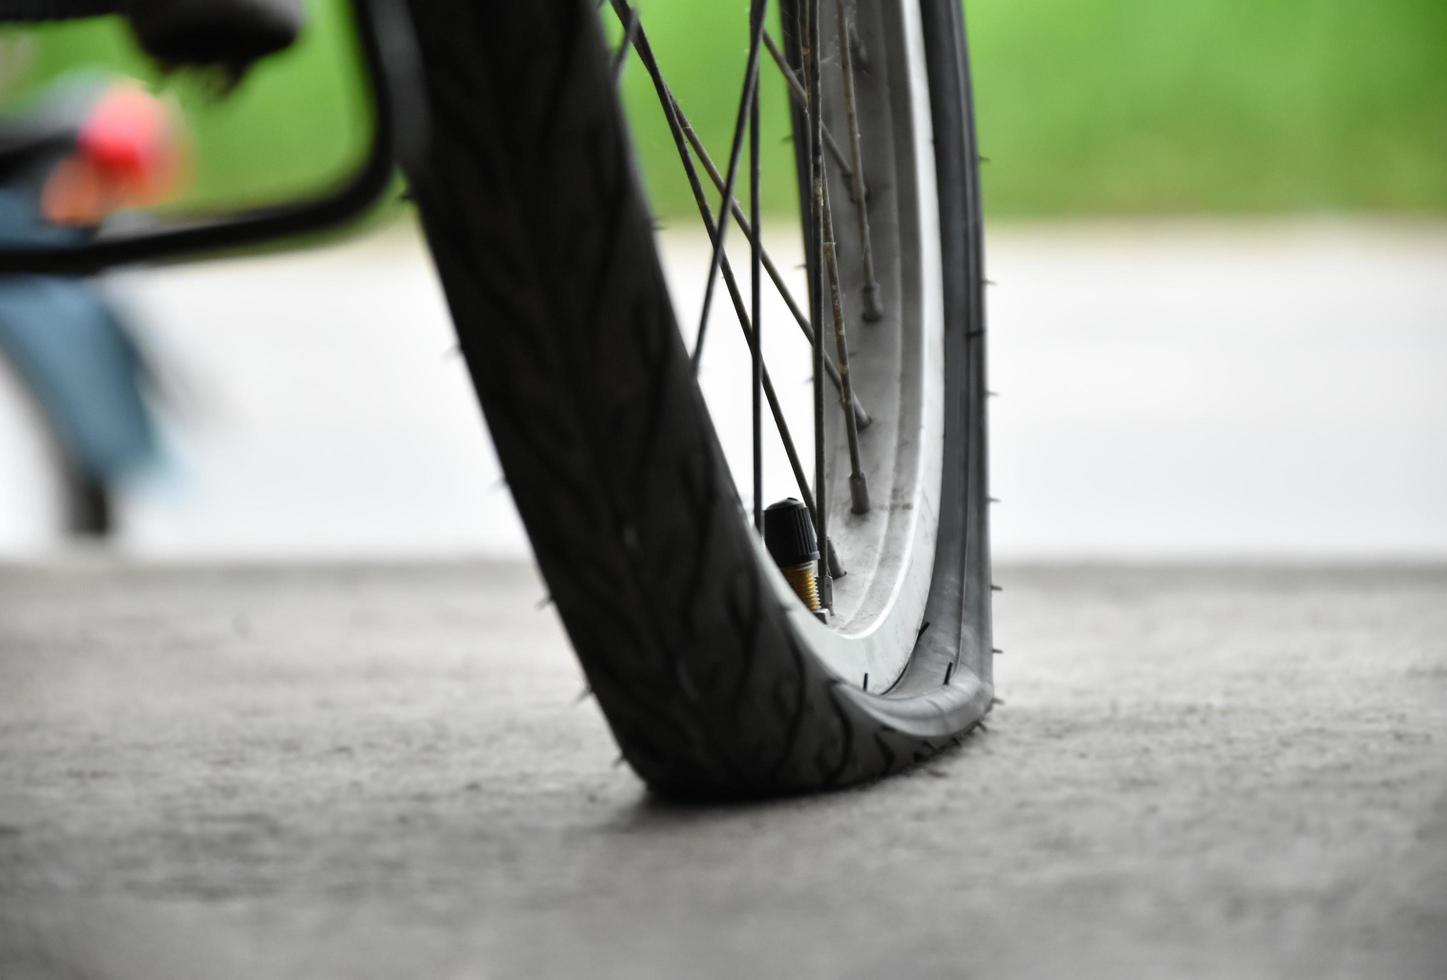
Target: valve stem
pixel 789 536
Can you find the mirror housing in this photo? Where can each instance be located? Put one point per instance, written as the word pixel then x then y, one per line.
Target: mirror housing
pixel 394 92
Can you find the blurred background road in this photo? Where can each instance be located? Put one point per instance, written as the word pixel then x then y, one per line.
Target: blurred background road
pixel 1169 389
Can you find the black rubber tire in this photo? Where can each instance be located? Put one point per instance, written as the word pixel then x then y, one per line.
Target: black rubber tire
pixel 544 243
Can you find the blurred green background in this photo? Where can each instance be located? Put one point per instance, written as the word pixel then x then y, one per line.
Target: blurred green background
pixel 296 123
pixel 1085 107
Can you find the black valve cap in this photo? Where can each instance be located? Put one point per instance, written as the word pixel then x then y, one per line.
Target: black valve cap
pixel 789 534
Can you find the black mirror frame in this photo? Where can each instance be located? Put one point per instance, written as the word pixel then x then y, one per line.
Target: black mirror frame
pixel 394 85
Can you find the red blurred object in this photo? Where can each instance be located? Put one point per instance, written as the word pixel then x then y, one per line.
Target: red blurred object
pixel 129 153
pixel 128 133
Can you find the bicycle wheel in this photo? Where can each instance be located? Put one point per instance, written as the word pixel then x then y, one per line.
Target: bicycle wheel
pixel 716 679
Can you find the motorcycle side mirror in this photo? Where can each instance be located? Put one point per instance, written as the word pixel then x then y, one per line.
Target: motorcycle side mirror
pixel 108 158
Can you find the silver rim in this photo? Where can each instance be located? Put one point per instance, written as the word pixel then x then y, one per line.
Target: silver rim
pixel 898 370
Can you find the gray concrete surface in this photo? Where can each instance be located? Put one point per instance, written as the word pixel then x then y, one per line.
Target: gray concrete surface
pixel 381 772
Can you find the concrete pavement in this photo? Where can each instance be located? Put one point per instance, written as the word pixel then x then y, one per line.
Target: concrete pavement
pixel 380 771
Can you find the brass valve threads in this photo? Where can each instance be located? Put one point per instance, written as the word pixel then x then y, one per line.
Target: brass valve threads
pixel 805 584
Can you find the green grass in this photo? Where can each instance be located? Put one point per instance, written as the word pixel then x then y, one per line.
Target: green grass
pixel 1085 106
pixel 1148 106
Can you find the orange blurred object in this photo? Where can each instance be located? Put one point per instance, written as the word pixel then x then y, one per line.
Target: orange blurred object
pixel 130 152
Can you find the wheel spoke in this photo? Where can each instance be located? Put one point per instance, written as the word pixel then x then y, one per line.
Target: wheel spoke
pixel 873 308
pixel 676 126
pixel 751 81
pixel 809 48
pixel 861 414
pixel 756 381
pixel 858 486
pixel 822 260
pixel 620 59
pixel 801 99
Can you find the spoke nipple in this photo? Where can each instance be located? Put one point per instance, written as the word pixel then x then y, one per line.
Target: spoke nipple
pixel 996 588
pixel 997 651
pixel 862 418
pixel 789 537
pixel 873 308
pixel 994 500
pixel 836 567
pixel 859 494
pixel 826 596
